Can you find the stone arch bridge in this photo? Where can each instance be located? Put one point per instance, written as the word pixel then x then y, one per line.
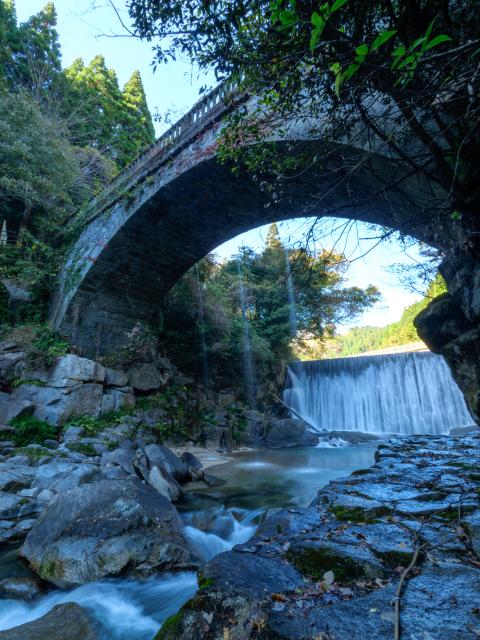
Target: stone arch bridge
pixel 176 203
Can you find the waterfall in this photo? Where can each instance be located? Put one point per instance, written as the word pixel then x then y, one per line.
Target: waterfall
pixel 292 307
pixel 201 308
pixel 248 367
pixel 402 393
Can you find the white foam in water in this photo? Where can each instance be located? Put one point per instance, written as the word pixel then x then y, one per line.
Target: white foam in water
pixel 209 544
pixel 126 609
pixel 402 393
pixel 331 443
pixel 257 464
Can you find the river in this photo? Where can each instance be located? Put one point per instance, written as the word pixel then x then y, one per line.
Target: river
pixel 215 519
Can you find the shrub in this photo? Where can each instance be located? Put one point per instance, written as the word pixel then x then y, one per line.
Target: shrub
pixel 30 430
pixel 42 345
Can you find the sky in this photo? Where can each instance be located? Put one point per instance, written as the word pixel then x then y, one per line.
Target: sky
pixel 86 28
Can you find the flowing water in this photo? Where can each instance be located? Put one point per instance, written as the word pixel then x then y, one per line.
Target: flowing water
pixel 401 393
pixel 292 306
pixel 248 365
pixel 201 309
pixel 215 519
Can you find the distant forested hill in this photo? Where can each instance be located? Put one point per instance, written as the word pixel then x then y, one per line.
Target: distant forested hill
pixel 363 339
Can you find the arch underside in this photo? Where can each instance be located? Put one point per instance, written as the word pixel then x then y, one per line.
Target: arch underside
pixel 207 205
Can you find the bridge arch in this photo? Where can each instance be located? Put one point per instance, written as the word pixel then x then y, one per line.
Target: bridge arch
pixel 177 203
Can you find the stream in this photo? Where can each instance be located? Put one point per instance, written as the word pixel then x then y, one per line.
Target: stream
pixel 215 520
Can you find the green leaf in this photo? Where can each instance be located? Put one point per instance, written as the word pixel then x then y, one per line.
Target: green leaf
pixel 428 32
pixel 336 68
pixel 338 84
pixel 314 39
pixel 362 50
pixel 412 58
pixel 382 38
pixel 337 5
pixel 350 70
pixel 417 42
pixel 318 21
pixel 436 41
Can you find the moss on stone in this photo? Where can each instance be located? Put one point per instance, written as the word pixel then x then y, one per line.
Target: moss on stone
pixel 315 561
pixel 394 558
pixel 356 514
pixel 85 449
pixel 204 582
pixel 170 628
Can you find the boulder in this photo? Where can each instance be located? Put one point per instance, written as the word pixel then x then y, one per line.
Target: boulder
pixel 145 377
pixel 73 434
pixel 21 588
pixel 120 457
pixel 116 399
pixel 9 505
pixel 106 528
pixel 64 622
pixel 163 482
pixel 69 371
pixel 163 458
pixel 9 363
pixel 48 474
pixel 191 461
pixel 15 477
pixel 115 378
pixel 290 433
pixel 11 408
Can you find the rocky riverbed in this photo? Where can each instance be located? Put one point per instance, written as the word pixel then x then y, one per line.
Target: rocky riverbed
pixel 391 549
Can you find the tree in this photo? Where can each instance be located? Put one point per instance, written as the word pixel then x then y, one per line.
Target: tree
pixel 321 301
pixel 116 123
pixel 8 38
pixel 138 128
pixel 406 71
pixel 36 57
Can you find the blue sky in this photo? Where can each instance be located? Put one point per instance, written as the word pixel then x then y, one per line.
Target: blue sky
pixel 84 28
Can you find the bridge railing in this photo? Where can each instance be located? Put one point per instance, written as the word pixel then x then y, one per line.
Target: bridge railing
pixel 208 108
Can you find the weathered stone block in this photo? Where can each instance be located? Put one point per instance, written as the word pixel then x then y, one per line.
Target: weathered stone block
pixel 145 377
pixel 11 408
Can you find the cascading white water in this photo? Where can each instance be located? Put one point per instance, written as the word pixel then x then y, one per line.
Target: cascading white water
pixel 248 365
pixel 400 393
pixel 201 309
pixel 292 306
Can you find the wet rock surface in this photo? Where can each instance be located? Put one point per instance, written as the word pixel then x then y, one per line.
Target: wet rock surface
pixel 332 571
pixel 106 528
pixel 64 622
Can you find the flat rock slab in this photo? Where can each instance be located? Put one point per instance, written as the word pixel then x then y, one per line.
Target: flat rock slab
pixel 64 622
pixel 331 571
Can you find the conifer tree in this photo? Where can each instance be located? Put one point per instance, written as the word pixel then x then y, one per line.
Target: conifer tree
pixel 37 60
pixel 9 39
pixel 139 127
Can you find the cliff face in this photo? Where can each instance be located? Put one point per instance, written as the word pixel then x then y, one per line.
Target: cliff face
pixel 450 325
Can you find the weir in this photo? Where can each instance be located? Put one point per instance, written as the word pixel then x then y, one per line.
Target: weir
pixel 404 393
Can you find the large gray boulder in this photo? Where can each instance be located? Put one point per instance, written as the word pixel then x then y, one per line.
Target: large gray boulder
pixel 146 377
pixel 290 433
pixel 161 457
pixel 69 371
pixel 56 404
pixel 64 622
pixel 106 528
pixel 11 408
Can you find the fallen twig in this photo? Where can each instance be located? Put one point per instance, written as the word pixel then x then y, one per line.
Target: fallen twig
pixel 398 595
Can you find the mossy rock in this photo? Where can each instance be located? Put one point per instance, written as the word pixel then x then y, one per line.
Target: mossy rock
pixel 170 628
pixel 348 562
